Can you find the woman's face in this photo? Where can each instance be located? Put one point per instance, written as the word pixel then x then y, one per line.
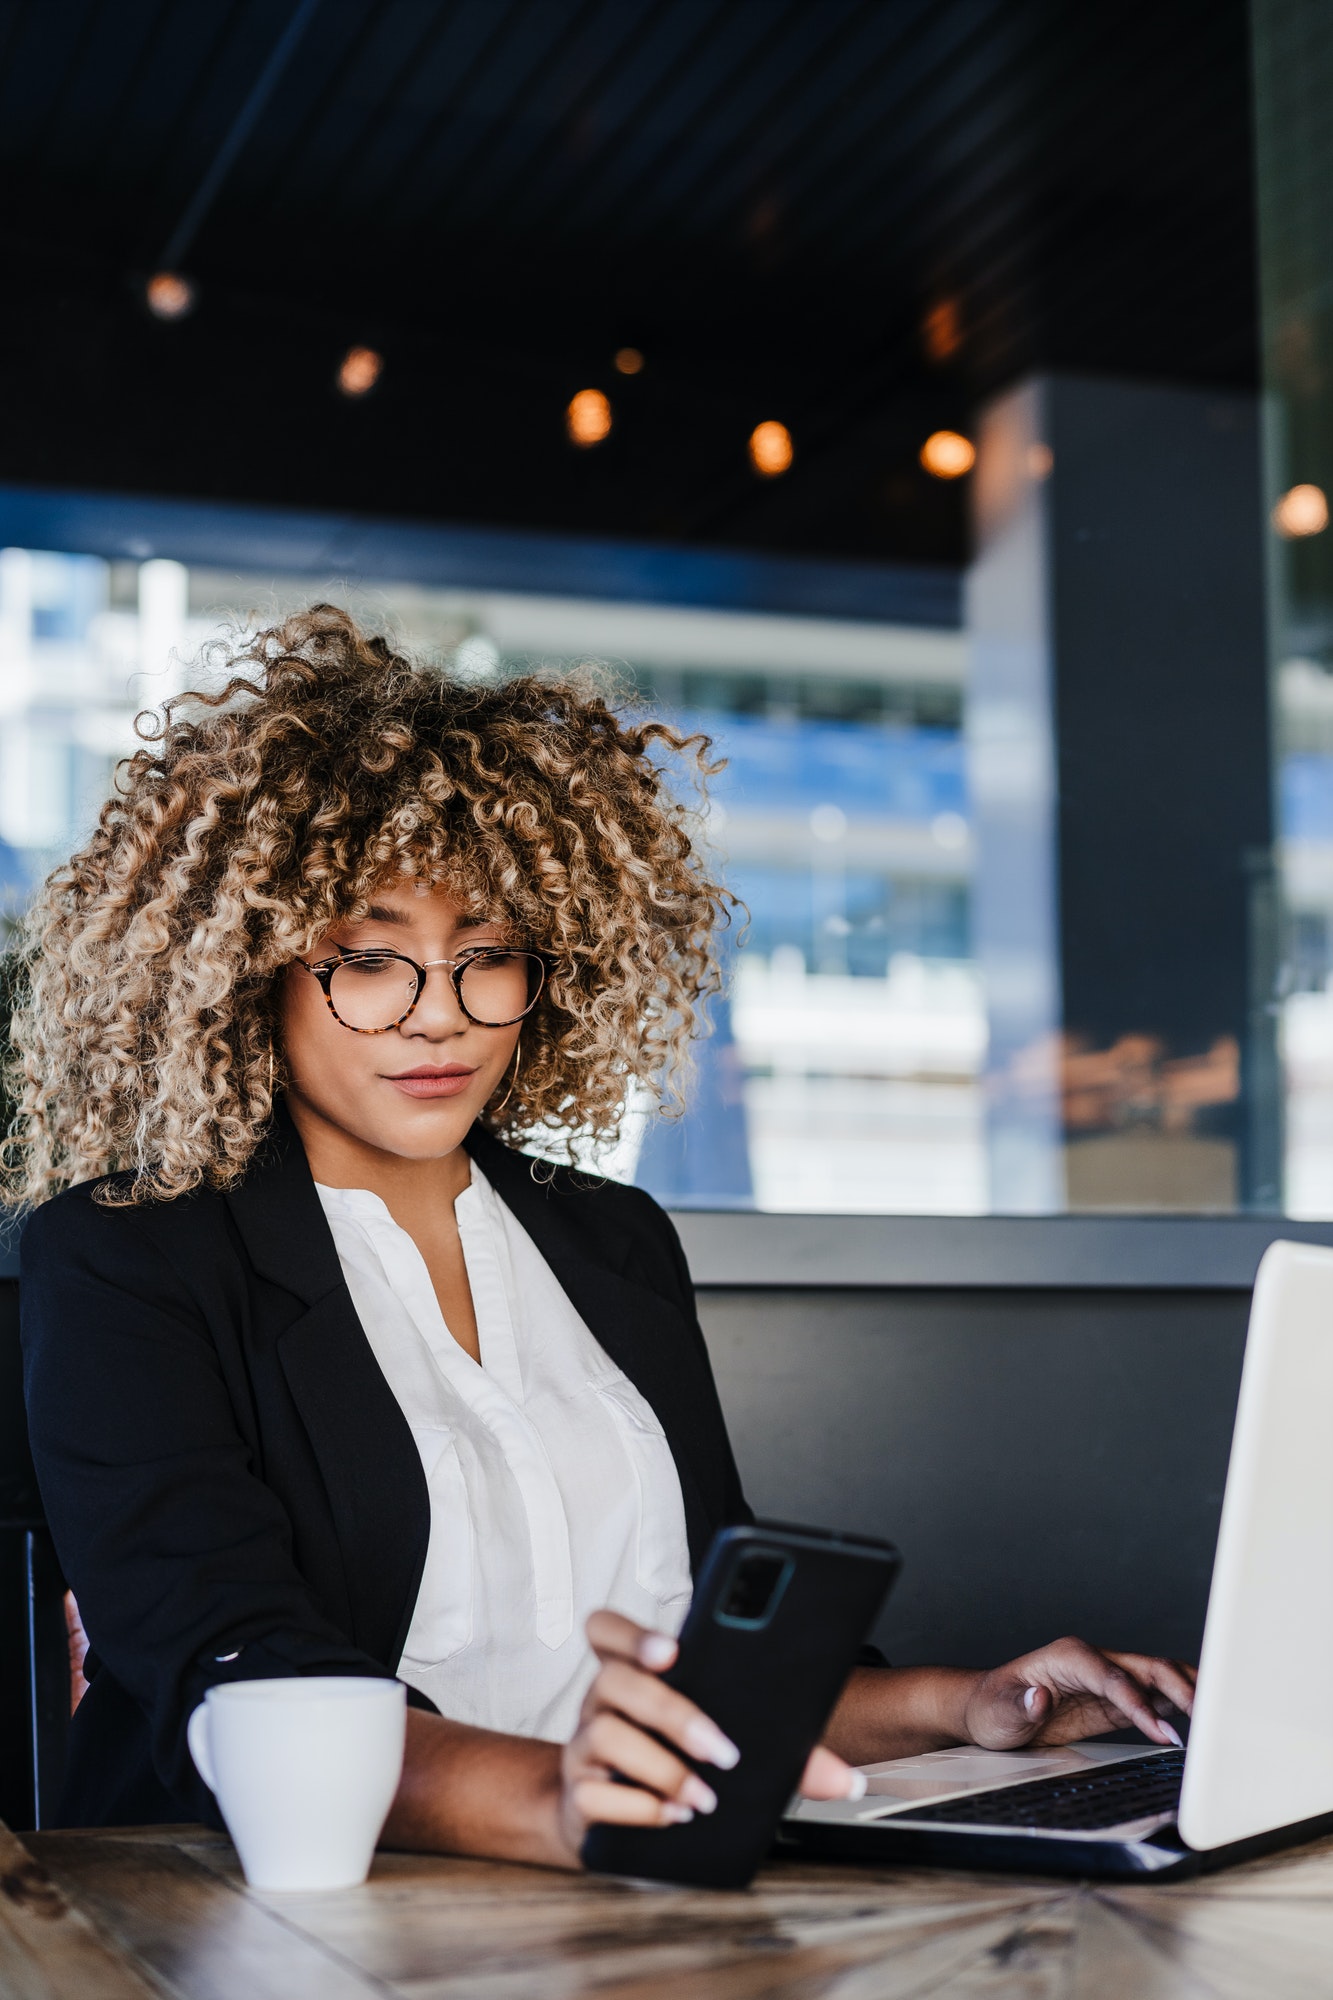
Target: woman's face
pixel 414 1090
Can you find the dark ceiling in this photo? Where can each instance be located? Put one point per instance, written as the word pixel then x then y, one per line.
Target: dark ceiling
pixel 856 216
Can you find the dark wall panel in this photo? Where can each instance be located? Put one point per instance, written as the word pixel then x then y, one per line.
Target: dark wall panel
pixel 1048 1462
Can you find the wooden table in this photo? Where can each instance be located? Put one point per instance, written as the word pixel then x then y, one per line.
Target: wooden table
pixel 128 1914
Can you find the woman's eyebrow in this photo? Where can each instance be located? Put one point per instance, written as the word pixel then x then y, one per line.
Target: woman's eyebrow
pixel 382 913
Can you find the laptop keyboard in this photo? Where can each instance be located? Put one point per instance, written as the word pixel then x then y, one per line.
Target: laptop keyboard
pixel 1111 1796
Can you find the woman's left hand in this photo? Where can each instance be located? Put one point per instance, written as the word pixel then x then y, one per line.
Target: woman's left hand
pixel 1069 1690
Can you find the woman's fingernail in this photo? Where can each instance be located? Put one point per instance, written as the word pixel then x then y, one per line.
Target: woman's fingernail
pixel 701 1796
pixel 857 1788
pixel 1168 1731
pixel 1030 1700
pixel 676 1815
pixel 656 1650
pixel 704 1739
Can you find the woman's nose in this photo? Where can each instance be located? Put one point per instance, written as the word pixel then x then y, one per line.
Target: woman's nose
pixel 437 1011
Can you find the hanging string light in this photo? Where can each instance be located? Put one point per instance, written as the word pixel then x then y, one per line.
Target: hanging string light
pixel 948 454
pixel 360 370
pixel 169 296
pixel 770 449
pixel 588 418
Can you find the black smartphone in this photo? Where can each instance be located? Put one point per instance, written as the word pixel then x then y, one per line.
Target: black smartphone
pixel 773 1630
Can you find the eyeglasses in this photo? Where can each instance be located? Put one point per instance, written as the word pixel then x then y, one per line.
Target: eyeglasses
pixel 373 991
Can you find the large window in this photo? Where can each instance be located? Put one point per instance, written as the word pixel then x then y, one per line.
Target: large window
pixel 844 1072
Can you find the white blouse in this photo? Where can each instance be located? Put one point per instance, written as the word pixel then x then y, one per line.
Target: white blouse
pixel 552 1487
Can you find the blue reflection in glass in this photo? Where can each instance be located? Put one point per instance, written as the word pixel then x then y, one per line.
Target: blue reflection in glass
pixel 876 771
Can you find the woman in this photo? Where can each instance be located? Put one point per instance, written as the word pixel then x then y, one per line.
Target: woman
pixel 322 1376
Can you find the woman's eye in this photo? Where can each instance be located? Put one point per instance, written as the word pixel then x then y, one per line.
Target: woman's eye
pixel 369 966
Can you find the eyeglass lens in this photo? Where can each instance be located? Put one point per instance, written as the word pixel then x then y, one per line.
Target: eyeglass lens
pixel 374 993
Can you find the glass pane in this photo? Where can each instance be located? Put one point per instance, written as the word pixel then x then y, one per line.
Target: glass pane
pixel 371 994
pixel 1293 42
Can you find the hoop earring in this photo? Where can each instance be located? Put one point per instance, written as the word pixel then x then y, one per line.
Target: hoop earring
pixel 513 1079
pixel 272 1072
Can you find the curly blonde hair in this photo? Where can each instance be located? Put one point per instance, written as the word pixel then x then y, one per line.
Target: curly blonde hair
pixel 258 817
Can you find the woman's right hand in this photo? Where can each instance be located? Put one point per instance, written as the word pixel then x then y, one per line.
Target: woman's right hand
pixel 626 1711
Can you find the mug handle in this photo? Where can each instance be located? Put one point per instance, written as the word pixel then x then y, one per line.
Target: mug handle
pixel 196 1735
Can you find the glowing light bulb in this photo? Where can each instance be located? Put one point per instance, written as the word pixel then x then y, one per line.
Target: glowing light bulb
pixel 360 371
pixel 169 296
pixel 629 361
pixel 588 418
pixel 942 330
pixel 770 449
pixel 1303 510
pixel 948 455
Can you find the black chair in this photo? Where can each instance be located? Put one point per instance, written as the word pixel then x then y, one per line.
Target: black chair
pixel 34 1646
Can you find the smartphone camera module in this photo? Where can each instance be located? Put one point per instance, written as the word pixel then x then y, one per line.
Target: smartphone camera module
pixel 756 1583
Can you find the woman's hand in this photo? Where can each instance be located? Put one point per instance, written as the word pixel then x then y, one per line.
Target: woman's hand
pixel 626 1711
pixel 1058 1694
pixel 1070 1690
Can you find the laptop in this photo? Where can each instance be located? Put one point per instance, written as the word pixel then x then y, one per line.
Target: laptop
pixel 1257 1772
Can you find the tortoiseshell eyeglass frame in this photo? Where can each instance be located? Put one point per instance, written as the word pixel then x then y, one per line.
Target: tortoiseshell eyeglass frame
pixel 325 968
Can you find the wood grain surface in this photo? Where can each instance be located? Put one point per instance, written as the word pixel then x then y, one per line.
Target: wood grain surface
pixel 163 1910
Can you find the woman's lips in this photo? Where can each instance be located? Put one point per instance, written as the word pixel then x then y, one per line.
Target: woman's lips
pixel 427 1082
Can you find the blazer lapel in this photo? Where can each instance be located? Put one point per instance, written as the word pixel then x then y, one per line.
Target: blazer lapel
pixel 644 1333
pixel 371 1469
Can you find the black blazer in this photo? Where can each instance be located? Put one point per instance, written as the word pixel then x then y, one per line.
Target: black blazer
pixel 233 1490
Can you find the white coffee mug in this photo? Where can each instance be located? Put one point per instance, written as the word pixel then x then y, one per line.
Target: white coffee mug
pixel 305 1771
